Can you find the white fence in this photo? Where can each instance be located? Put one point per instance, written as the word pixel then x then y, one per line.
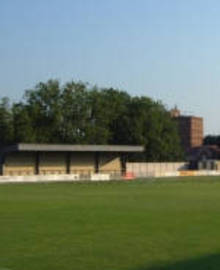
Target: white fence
pixel 165 169
pixel 156 169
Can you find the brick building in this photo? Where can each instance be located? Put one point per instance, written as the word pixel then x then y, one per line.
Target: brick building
pixel 190 129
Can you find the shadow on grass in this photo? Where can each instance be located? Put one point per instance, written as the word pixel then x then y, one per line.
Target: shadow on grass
pixel 211 262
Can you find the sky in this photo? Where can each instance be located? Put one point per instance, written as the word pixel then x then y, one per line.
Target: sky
pixel 168 50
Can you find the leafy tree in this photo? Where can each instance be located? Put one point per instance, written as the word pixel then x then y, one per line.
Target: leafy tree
pixel 6 127
pixel 107 108
pixel 212 140
pixel 117 109
pixel 77 114
pixel 97 131
pixel 22 124
pixel 44 108
pixel 152 126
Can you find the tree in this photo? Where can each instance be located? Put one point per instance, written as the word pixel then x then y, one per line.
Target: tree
pixel 117 109
pixel 43 106
pixel 152 126
pixel 77 114
pixel 107 109
pixel 212 140
pixel 6 127
pixel 22 124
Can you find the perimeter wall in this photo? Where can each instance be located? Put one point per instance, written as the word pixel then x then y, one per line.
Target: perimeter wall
pixel 155 169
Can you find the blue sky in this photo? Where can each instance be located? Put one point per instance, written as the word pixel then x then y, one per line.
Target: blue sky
pixel 166 49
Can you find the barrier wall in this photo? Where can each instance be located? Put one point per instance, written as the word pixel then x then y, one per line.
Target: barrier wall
pixel 55 178
pixel 39 178
pixel 94 177
pixel 152 169
pixel 165 169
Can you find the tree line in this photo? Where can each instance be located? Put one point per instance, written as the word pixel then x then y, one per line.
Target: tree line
pixel 212 140
pixel 75 113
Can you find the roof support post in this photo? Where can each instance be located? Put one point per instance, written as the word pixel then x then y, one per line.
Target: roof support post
pixel 37 161
pixel 68 160
pixel 97 156
pixel 123 159
pixel 2 161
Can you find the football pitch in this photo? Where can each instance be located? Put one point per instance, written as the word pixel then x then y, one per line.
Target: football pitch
pixel 134 225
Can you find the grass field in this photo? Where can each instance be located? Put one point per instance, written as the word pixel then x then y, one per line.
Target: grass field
pixel 140 225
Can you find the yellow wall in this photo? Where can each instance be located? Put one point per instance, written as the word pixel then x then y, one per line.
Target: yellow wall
pixel 82 162
pixel 109 162
pixel 218 165
pixel 23 163
pixel 19 164
pixel 52 163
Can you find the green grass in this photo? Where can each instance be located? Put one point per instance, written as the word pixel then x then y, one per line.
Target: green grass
pixel 137 225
